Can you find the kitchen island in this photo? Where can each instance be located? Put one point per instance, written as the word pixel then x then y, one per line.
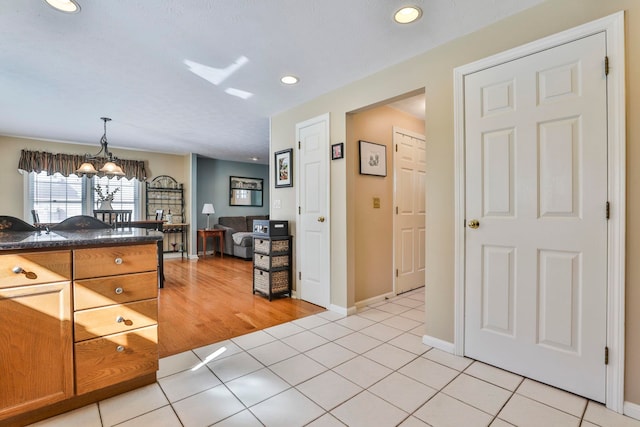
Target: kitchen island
pixel 78 318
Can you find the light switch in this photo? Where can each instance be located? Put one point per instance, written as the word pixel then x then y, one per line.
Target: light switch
pixel 376 202
pixel 277 204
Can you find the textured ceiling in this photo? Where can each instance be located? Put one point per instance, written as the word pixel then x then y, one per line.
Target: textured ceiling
pixel 174 75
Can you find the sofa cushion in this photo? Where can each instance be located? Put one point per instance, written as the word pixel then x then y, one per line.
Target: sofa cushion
pixel 238 223
pixel 243 238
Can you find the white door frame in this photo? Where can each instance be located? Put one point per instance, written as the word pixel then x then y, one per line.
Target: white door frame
pixel 613 26
pixel 318 119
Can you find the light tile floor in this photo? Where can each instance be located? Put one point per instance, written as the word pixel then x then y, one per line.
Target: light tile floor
pixel 369 369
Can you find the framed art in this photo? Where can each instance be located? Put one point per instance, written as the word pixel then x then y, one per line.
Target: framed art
pixel 284 168
pixel 337 151
pixel 373 159
pixel 245 191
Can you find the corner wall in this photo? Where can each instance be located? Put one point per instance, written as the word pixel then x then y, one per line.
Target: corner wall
pixel 433 70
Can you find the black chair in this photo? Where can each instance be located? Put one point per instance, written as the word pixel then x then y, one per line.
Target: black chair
pixel 35 216
pixel 81 222
pixel 119 218
pixel 10 223
pixel 159 214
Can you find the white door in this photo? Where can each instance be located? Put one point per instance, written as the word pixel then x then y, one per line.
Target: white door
pixel 536 183
pixel 409 170
pixel 312 231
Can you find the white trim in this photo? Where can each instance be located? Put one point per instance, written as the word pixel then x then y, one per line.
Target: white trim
pixel 632 410
pixel 438 343
pixel 337 309
pixel 326 117
pixel 613 26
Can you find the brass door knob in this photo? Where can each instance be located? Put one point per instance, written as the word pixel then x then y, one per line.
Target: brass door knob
pixel 474 223
pixel 320 219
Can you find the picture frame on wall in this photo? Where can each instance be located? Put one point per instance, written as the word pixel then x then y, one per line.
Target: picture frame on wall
pixel 284 168
pixel 373 158
pixel 337 151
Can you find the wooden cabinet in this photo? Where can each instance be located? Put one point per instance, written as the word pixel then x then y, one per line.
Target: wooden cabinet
pixel 74 335
pixel 272 265
pixel 36 331
pixel 116 315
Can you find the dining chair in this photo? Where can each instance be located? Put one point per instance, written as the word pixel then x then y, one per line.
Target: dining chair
pixel 81 222
pixel 10 223
pixel 119 218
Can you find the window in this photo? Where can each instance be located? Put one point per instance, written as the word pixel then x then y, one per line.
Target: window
pixel 55 197
pixel 124 198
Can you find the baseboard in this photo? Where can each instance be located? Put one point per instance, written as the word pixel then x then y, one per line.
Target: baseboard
pixel 374 300
pixel 631 410
pixel 439 344
pixel 352 310
pixel 337 309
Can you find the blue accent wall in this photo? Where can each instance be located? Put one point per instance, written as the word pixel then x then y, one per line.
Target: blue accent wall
pixel 213 187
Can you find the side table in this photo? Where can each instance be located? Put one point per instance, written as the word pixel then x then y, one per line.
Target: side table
pixel 214 233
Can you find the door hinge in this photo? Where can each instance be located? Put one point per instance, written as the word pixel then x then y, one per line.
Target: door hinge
pixel 606 65
pixel 396 210
pixel 299 210
pixel 396 148
pixel 299 275
pixel 608 210
pixel 606 355
pixel 397 272
pixel 299 145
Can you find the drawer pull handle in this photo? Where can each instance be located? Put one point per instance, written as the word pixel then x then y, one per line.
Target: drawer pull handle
pixel 120 348
pixel 121 319
pixel 119 291
pixel 28 274
pixel 118 260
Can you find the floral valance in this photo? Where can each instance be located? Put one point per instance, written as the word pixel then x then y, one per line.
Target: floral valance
pixel 67 164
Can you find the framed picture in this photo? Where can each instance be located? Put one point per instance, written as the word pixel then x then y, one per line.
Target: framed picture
pixel 245 191
pixel 337 151
pixel 373 159
pixel 284 168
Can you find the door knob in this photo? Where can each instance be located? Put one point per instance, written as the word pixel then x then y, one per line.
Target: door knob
pixel 320 219
pixel 474 223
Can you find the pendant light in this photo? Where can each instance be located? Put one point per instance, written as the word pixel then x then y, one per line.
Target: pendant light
pixel 110 168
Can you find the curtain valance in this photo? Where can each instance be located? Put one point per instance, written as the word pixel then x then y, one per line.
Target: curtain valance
pixel 67 164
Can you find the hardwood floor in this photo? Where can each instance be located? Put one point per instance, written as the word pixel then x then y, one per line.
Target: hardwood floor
pixel 210 300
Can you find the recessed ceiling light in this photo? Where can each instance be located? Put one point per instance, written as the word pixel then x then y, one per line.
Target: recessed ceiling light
pixel 407 14
pixel 255 159
pixel 66 6
pixel 289 80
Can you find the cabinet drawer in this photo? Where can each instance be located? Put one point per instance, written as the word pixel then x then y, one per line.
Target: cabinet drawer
pixel 42 267
pixel 102 362
pixel 97 322
pixel 91 293
pixel 114 260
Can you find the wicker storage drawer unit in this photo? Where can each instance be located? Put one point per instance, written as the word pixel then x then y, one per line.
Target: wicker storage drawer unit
pixel 272 265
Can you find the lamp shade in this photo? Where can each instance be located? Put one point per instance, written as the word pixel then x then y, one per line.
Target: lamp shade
pixel 208 208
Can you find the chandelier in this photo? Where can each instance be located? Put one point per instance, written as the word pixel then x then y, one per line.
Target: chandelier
pixel 110 167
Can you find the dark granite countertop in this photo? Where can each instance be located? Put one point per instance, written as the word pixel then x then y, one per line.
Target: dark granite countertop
pixel 15 240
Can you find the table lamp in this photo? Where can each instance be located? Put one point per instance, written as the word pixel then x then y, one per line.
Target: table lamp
pixel 207 209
